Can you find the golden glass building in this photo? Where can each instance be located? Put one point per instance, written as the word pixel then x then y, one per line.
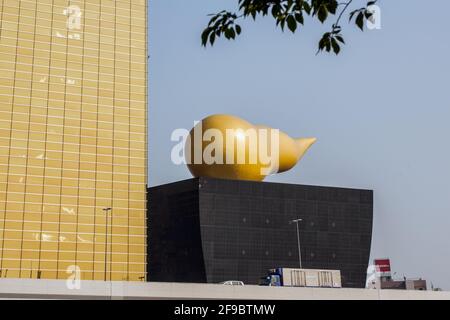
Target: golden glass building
pixel 73 139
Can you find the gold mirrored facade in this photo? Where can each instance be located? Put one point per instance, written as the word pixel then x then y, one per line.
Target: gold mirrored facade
pixel 73 138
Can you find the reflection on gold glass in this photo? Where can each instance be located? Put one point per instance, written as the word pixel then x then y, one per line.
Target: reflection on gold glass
pixel 73 138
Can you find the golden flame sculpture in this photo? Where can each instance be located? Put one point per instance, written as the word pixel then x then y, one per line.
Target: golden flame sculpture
pixel 227 147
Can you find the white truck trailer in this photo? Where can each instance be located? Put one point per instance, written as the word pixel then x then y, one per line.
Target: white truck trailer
pixel 290 277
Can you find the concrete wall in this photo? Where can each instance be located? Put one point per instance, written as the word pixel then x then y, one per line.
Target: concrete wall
pixel 57 289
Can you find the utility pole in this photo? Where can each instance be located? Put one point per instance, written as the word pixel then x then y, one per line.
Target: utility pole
pixel 106 210
pixel 297 221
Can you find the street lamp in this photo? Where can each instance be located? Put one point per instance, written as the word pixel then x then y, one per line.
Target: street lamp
pixel 107 210
pixel 297 221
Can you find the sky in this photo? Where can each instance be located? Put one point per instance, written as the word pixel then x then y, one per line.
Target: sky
pixel 380 111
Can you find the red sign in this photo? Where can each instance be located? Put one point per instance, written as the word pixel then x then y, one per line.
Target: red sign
pixel 383 265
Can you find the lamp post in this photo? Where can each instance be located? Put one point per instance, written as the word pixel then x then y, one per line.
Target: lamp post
pixel 106 210
pixel 297 221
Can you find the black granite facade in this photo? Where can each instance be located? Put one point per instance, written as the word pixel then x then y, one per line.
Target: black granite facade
pixel 212 230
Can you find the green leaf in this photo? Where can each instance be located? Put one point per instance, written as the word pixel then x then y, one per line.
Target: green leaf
pixel 211 22
pixel 275 10
pixel 282 23
pixel 307 7
pixel 352 14
pixel 292 24
pixel 230 34
pixel 332 7
pixel 335 45
pixel 322 14
pixel 368 14
pixel 360 21
pixel 299 18
pixel 321 44
pixel 324 42
pixel 238 29
pixel 340 39
pixel 205 36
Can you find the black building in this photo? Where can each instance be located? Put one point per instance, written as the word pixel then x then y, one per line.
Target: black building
pixel 212 230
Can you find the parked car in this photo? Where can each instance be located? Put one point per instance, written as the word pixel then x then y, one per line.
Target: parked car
pixel 232 283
